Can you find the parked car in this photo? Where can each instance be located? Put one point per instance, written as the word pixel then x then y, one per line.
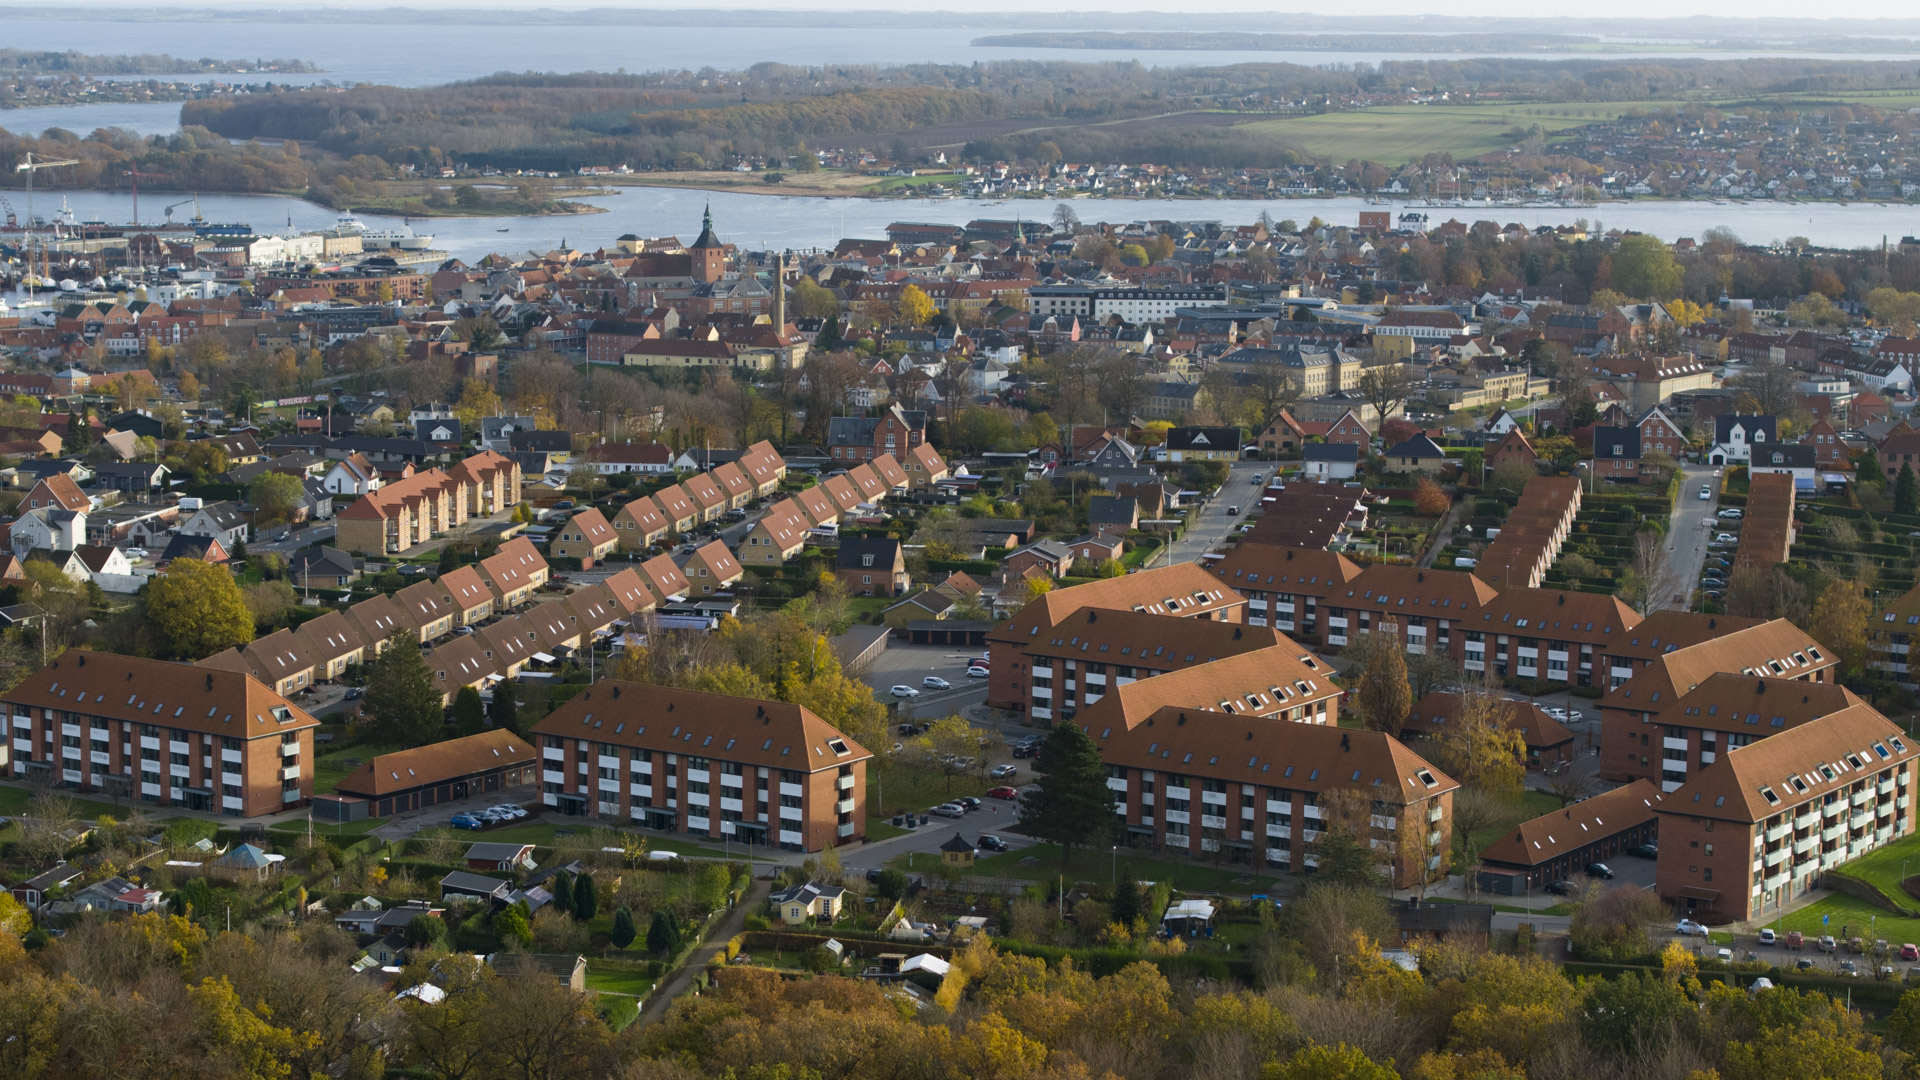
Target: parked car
pixel 948 810
pixel 1003 793
pixel 1645 851
pixel 967 802
pixel 1561 888
pixel 991 842
pixel 1726 538
pixel 1827 944
pixel 355 693
pixel 1805 963
pixel 1004 772
pixel 905 691
pixel 1600 870
pixel 1910 951
pixel 1233 511
pixel 514 812
pixel 1706 493
pixel 1847 969
pixel 466 821
pixel 1795 939
pixel 977 672
pixel 1732 514
pixel 1766 936
pixel 1689 928
pixel 935 682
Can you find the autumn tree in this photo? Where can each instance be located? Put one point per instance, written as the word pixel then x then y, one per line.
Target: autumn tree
pixel 275 497
pixel 913 307
pixel 1839 621
pixel 1481 746
pixel 401 696
pixel 1428 499
pixel 1386 387
pixel 196 609
pixel 1071 804
pixel 1383 696
pixel 1643 268
pixel 949 746
pixel 478 400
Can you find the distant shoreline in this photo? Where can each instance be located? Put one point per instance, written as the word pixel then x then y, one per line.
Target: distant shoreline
pixel 1566 46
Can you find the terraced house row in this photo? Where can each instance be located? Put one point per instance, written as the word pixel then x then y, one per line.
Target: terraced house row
pixel 413 510
pixel 679 508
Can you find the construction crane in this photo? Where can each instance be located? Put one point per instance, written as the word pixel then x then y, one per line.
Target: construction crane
pixel 195 200
pixel 30 166
pixel 138 176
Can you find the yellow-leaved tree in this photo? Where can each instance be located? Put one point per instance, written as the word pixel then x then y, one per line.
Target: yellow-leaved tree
pixel 197 610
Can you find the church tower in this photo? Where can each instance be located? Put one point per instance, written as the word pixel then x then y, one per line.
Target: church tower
pixel 709 254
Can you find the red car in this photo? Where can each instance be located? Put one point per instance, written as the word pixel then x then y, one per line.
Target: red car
pixel 1003 793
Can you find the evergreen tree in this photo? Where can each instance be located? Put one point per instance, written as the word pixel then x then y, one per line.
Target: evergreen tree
pixel 1906 491
pixel 586 900
pixel 623 928
pixel 449 560
pixel 1072 805
pixel 469 713
pixel 505 712
pixel 663 937
pixel 1868 471
pixel 1126 899
pixel 829 335
pixel 562 891
pixel 401 696
pixel 79 434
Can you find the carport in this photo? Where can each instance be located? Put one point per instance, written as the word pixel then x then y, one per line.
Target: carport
pixel 948 632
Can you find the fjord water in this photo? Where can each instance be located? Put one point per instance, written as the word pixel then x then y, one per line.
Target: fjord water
pixel 773 221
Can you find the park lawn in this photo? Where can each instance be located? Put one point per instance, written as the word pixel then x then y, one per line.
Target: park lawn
pixel 548 835
pixel 1512 811
pixel 1884 867
pixel 1849 917
pixel 1397 134
pixel 331 767
pixel 905 787
pixel 14 800
pixel 1042 863
pixel 329 828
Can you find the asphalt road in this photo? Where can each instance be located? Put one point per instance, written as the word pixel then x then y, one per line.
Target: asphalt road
pixel 1688 539
pixel 1211 524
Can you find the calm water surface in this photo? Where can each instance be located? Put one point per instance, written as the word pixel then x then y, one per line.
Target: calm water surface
pixel 760 221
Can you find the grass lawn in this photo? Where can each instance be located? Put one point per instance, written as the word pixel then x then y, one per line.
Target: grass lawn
pixel 1884 867
pixel 547 835
pixel 14 800
pixel 331 767
pixel 1088 865
pixel 1523 807
pixel 1848 917
pixel 1396 134
pixel 907 788
pixel 617 981
pixel 877 829
pixel 328 828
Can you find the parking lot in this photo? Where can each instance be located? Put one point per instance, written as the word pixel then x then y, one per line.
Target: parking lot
pixel 908 665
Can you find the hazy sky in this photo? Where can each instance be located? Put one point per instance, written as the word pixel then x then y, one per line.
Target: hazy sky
pixel 1796 9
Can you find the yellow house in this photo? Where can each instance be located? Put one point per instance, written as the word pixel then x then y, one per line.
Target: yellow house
pixel 586 536
pixel 640 524
pixel 779 535
pixel 809 902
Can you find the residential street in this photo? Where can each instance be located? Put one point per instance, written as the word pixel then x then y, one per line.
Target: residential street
pixel 1211 524
pixel 1686 538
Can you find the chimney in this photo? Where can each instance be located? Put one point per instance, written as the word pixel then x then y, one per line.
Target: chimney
pixel 779 294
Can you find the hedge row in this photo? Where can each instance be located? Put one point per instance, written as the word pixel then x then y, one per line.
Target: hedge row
pixel 1103 962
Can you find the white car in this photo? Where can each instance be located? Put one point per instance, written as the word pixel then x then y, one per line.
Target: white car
pixel 1706 493
pixel 935 682
pixel 514 812
pixel 905 691
pixel 977 673
pixel 1689 928
pixel 1726 538
pixel 1731 514
pixel 1556 712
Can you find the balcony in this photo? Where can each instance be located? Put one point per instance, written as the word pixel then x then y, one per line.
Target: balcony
pixel 1777 856
pixel 290 796
pixel 1209 821
pixel 1178 817
pixel 1806 821
pixel 290 772
pixel 844 829
pixel 1884 787
pixel 1801 846
pixel 846 782
pixel 1834 808
pixel 1862 798
pixel 1179 793
pixel 1175 840
pixel 1859 821
pixel 554 753
pixel 1777 832
pixel 553 776
pixel 1671 743
pixel 844 806
pixel 289 747
pixel 790 789
pixel 1435 814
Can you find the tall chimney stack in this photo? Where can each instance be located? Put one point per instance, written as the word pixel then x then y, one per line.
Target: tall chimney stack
pixel 780 293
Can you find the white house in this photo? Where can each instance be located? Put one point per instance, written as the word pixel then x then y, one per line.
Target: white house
pixel 1737 437
pixel 352 476
pixel 1501 422
pixel 1330 461
pixel 221 520
pixel 50 528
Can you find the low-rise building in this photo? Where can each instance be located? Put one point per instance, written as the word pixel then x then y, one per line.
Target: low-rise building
pixel 443 772
pixel 586 536
pixel 766 773
pixel 1557 846
pixel 1758 827
pixel 1198 782
pixel 712 569
pixel 161 733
